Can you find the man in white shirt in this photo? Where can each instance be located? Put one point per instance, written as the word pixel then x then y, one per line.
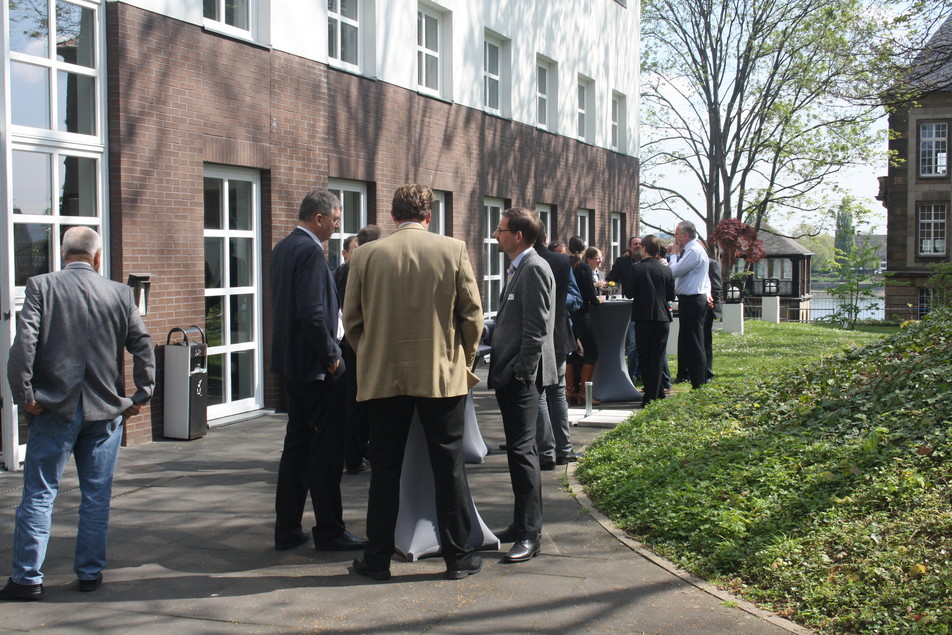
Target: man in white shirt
pixel 689 264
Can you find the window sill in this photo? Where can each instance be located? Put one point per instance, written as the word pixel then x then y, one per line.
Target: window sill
pixel 220 28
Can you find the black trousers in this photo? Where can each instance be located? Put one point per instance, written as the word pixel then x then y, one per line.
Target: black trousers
pixel 652 342
pixel 355 412
pixel 519 405
pixel 692 310
pixel 312 461
pixel 442 422
pixel 709 343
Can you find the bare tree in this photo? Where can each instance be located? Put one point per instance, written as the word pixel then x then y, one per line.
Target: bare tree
pixel 757 103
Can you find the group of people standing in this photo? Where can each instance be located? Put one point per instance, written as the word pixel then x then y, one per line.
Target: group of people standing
pixel 392 334
pixel 409 308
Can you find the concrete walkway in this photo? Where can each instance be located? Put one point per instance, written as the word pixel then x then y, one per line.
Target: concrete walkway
pixel 191 551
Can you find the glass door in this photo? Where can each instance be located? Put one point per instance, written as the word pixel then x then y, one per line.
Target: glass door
pixel 233 291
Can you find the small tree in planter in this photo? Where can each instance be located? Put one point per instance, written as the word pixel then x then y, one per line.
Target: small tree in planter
pixel 736 239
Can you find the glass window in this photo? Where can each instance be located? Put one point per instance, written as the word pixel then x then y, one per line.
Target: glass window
pixel 545 216
pixel 616 235
pixel 542 95
pixel 933 229
pixel 618 125
pixel 353 216
pixel 234 14
pixel 586 94
pixel 933 149
pixel 53 84
pixel 343 31
pixel 32 176
pixel 438 214
pixel 491 75
pixel 428 51
pixel 493 259
pixel 583 225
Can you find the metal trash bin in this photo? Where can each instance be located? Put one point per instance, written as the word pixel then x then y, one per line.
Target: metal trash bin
pixel 186 385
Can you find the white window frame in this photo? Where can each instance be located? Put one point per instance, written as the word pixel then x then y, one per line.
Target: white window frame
pixel 547 100
pixel 616 235
pixel 336 242
pixel 583 226
pixel 339 22
pixel 619 127
pixel 544 210
pixel 932 229
pixel 438 214
pixel 492 77
pixel 423 52
pixel 256 401
pixel 933 149
pixel 490 252
pixel 220 26
pixel 585 101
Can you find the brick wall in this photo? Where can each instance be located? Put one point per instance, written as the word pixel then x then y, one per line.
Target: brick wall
pixel 180 97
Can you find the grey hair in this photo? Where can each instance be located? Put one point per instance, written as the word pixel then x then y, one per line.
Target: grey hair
pixel 316 202
pixel 80 240
pixel 688 228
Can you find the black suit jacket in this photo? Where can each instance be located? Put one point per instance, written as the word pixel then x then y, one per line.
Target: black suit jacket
pixel 652 289
pixel 714 273
pixel 305 310
pixel 622 272
pixel 340 280
pixel 586 286
pixel 561 266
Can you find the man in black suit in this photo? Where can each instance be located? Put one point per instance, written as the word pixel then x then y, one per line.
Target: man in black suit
pixel 306 352
pixel 553 434
pixel 522 361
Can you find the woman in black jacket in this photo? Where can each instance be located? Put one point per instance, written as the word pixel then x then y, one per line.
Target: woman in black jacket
pixel 652 289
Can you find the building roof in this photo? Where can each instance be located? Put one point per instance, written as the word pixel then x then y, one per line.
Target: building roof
pixel 933 67
pixel 776 245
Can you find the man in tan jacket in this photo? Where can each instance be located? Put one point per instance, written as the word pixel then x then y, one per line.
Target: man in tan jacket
pixel 413 315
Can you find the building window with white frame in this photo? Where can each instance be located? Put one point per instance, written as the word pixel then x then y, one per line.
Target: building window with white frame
pixel 428 50
pixel 585 101
pixel 618 124
pixel 546 94
pixel 617 228
pixel 545 217
pixel 438 213
pixel 933 221
pixel 353 216
pixel 583 226
pixel 493 259
pixel 492 69
pixel 233 17
pixel 343 33
pixel 925 298
pixel 933 149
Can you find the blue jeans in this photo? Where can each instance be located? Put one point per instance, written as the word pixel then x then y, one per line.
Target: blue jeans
pixel 95 446
pixel 631 351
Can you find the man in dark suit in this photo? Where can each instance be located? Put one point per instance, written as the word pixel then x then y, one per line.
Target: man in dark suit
pixel 553 434
pixel 66 371
pixel 306 353
pixel 522 362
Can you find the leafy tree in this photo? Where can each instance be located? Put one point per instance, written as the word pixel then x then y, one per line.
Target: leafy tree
pixel 736 239
pixel 759 102
pixel 845 236
pixel 821 244
pixel 853 268
pixel 940 281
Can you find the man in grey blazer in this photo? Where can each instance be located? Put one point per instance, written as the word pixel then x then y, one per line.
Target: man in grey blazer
pixel 522 362
pixel 66 372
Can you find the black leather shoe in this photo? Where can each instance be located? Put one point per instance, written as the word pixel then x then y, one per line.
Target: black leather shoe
pixel 362 568
pixel 571 457
pixel 547 466
pixel 295 541
pixel 87 586
pixel 345 542
pixel 523 551
pixel 470 565
pixel 13 591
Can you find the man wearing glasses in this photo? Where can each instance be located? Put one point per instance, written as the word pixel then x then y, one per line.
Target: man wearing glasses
pixel 306 353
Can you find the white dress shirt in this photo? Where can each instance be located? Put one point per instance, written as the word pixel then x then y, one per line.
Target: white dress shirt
pixel 690 270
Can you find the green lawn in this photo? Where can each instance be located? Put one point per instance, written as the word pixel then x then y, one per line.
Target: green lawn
pixel 813 477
